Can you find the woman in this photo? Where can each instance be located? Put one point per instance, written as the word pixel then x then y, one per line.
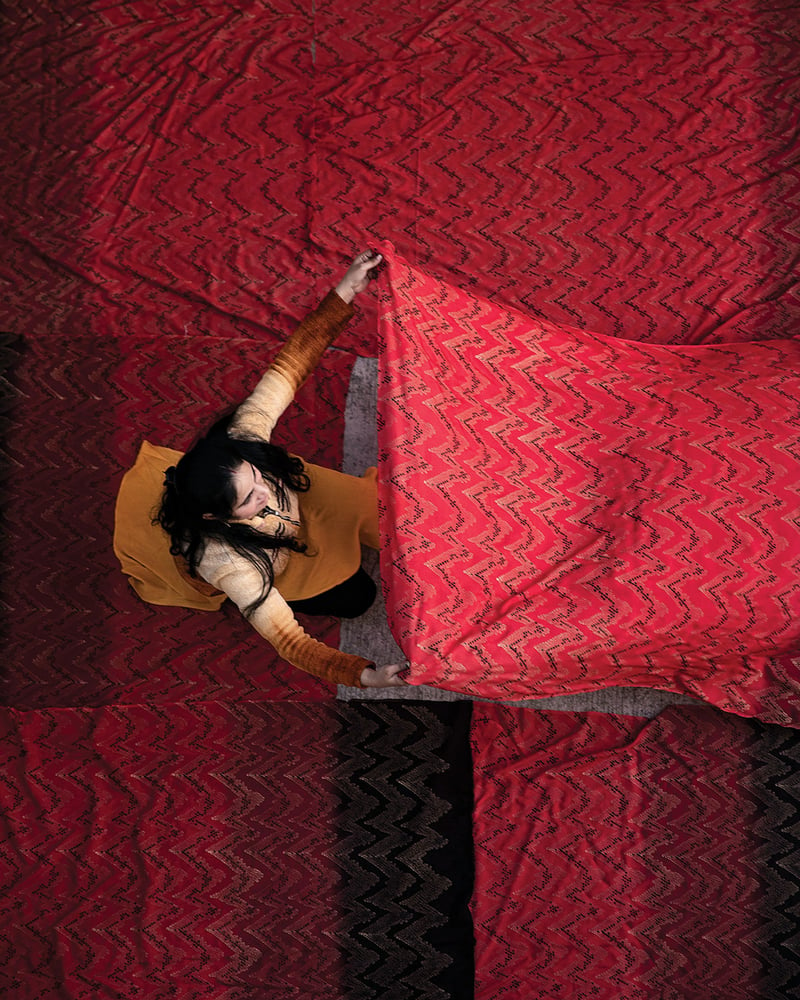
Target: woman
pixel 273 533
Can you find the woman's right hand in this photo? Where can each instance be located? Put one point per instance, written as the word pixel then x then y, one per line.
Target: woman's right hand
pixel 358 274
pixel 383 677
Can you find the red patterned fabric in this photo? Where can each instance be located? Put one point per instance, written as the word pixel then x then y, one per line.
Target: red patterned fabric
pixel 565 511
pixel 156 169
pixel 614 166
pixel 618 857
pixel 248 852
pixel 180 183
pixel 169 852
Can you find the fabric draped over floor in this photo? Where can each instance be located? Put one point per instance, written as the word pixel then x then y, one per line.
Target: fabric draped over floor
pixel 565 511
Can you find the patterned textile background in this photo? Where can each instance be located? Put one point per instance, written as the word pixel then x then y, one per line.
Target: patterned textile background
pixel 181 182
pixel 403 777
pixel 266 850
pixel 622 858
pixel 615 167
pixel 170 851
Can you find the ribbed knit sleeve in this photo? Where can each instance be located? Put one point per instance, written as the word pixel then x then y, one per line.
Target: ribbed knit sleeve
pixel 275 620
pixel 256 418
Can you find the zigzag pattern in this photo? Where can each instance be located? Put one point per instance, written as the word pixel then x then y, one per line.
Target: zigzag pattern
pixel 570 511
pixel 624 858
pixel 161 853
pixel 617 171
pixel 213 849
pixel 155 175
pixel 179 183
pixel 404 779
pixel 772 784
pixel 622 169
pixel 634 178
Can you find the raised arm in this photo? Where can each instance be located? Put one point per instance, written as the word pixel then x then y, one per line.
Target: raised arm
pixel 256 417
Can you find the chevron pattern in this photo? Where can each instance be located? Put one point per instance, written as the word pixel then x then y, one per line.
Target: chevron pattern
pixel 612 168
pixel 404 834
pixel 570 511
pixel 169 852
pixel 181 182
pixel 155 169
pixel 225 850
pixel 619 857
pixel 615 167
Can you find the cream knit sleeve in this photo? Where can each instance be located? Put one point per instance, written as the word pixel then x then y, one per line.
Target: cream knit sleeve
pixel 256 417
pixel 274 620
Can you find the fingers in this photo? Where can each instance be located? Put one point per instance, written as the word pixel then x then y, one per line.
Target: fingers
pixel 385 676
pixel 369 259
pixel 392 672
pixel 373 263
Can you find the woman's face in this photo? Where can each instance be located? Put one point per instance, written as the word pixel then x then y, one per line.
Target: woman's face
pixel 252 493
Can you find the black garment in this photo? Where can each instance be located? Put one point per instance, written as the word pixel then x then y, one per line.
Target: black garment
pixel 346 600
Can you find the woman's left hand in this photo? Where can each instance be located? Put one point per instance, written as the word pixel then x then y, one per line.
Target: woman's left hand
pixel 383 677
pixel 358 274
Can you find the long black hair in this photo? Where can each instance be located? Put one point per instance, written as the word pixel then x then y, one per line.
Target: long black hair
pixel 202 483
